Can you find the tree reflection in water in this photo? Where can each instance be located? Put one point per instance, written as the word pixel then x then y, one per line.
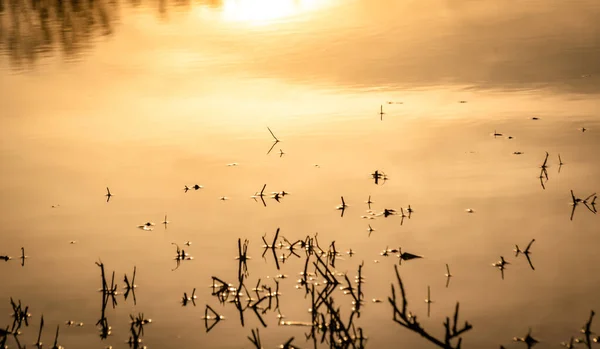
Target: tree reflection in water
pixel 33 29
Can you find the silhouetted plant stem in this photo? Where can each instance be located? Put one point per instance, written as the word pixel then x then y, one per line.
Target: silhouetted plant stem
pixel 409 321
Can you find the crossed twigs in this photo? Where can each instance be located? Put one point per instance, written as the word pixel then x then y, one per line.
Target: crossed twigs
pixel 408 320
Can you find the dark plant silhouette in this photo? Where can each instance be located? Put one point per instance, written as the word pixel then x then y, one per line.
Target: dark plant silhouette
pixel 276 140
pixel 136 330
pixel 525 252
pixel 130 286
pixel 408 320
pixel 528 340
pixel 590 205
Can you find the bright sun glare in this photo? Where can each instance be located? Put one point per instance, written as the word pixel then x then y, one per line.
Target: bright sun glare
pixel 262 11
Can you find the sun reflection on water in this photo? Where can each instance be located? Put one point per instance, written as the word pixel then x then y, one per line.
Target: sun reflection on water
pixel 265 11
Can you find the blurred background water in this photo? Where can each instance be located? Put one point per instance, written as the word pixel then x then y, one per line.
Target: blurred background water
pixel 148 96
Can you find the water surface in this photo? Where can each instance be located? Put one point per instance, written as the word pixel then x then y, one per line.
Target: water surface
pixel 146 97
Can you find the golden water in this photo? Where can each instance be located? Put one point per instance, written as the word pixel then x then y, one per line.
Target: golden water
pixel 146 97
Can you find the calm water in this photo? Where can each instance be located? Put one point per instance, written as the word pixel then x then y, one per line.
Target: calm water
pixel 148 96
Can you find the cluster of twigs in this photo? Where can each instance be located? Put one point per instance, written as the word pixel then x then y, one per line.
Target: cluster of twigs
pixel 355 292
pixel 586 340
pixel 108 293
pixel 544 169
pixel 185 299
pixel 327 322
pixel 589 202
pixel 181 255
pixel 587 333
pixel 276 195
pixel 309 244
pixel 136 330
pixel 20 317
pixel 403 213
pixel 228 293
pixel 408 320
pixel 402 256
